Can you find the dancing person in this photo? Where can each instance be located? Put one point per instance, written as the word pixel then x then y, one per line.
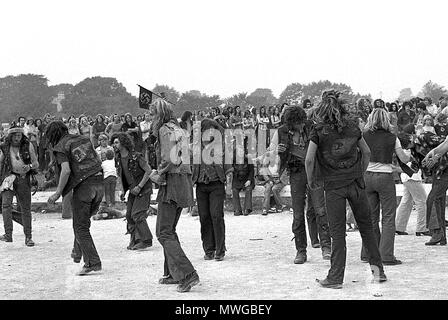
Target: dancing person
pixel 134 172
pixel 380 184
pixel 79 170
pixel 341 156
pixel 172 197
pixel 18 161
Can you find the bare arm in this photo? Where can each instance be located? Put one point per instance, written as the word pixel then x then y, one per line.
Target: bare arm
pixel 63 179
pixel 34 161
pixel 310 161
pixel 145 166
pixel 400 153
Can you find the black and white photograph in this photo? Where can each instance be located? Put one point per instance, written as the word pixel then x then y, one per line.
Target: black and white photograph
pixel 230 157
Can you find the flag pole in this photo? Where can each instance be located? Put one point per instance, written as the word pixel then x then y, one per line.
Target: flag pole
pixel 157 95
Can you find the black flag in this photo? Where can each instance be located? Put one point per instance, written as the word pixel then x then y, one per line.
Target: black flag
pixel 145 98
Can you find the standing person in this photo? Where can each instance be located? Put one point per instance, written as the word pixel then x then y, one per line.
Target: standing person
pixel 110 177
pixel 134 172
pixel 210 192
pixel 172 197
pixel 98 128
pixel 114 126
pixel 341 155
pixel 413 193
pixel 103 147
pixel 145 129
pixel 243 179
pixel 293 139
pixel 380 184
pixel 72 126
pixel 275 118
pixel 18 161
pixel 79 170
pixel 31 132
pixel 44 154
pixel 85 129
pixel 133 129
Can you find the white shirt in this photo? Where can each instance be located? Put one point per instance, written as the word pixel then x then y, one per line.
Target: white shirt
pixel 109 168
pixel 145 126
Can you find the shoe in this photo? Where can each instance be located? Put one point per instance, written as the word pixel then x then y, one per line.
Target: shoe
pixel 443 242
pixel 327 284
pixel 326 254
pixel 75 258
pixel 365 260
pixel 86 270
pixel 378 276
pixel 29 242
pixel 425 233
pixel 219 257
pixel 237 213
pixel 392 262
pixel 209 256
pixel 168 280
pixel 142 245
pixel 6 238
pixel 436 237
pixel 316 245
pixel 186 284
pixel 264 212
pixel 401 233
pixel 300 258
pixel 247 212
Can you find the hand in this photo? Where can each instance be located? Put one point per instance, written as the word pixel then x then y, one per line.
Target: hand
pixel 281 148
pixel 247 184
pixel 430 159
pixel 26 168
pixel 136 190
pixel 122 196
pixel 52 199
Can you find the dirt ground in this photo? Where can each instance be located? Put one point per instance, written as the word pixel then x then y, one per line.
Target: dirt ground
pixel 258 265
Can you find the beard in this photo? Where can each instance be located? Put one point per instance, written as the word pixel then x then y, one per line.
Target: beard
pixel 15 144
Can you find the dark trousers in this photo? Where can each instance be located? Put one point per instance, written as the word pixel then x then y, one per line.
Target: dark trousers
pixel 176 262
pixel 87 197
pixel 44 158
pixel 22 191
pixel 336 200
pixel 316 216
pixel 110 184
pixel 298 193
pixel 210 198
pixel 380 189
pixel 247 198
pixel 435 205
pixel 136 214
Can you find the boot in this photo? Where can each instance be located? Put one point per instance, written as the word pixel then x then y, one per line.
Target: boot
pixel 437 236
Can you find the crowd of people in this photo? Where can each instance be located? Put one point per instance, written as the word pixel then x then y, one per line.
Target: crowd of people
pixel 348 154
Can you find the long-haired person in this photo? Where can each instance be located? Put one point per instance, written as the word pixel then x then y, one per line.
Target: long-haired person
pixel 342 156
pixel 172 197
pixel 380 184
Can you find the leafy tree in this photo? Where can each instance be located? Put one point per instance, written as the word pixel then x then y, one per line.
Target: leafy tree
pixel 170 93
pixel 193 101
pixel 405 94
pixel 293 94
pixel 433 91
pixel 262 97
pixel 239 99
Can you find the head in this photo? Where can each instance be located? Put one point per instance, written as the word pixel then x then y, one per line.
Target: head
pixel 37 122
pixel 378 119
pixel 295 117
pixel 116 118
pixel 186 116
pixel 30 121
pixel 99 118
pixel 121 141
pixel 393 107
pixel 427 101
pixel 16 136
pixel 306 104
pixel 163 113
pixel 428 120
pixel 407 105
pixel 21 121
pixel 103 140
pixel 262 111
pixel 110 154
pixel 331 110
pixel 82 120
pixel 420 108
pixel 378 103
pixel 55 131
pixel 128 118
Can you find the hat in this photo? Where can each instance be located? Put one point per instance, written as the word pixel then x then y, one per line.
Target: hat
pixel 427 117
pixel 15 130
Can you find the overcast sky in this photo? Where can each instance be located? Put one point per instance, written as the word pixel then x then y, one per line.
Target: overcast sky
pixel 226 47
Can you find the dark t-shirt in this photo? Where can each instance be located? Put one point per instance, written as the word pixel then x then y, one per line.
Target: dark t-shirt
pixel 126 173
pixel 337 155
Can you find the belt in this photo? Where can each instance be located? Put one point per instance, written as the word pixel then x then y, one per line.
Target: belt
pixel 371 172
pixel 20 175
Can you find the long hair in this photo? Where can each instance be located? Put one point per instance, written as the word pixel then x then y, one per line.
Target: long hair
pixel 55 131
pixel 378 119
pixel 125 140
pixel 294 115
pixel 331 111
pixel 163 114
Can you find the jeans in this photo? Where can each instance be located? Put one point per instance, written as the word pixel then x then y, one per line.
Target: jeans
pixel 316 216
pixel 110 184
pixel 176 262
pixel 247 199
pixel 22 191
pixel 413 192
pixel 336 200
pixel 273 189
pixel 380 189
pixel 210 198
pixel 435 205
pixel 298 191
pixel 87 197
pixel 136 214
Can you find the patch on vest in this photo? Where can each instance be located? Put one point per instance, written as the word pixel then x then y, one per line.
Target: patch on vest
pixel 80 152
